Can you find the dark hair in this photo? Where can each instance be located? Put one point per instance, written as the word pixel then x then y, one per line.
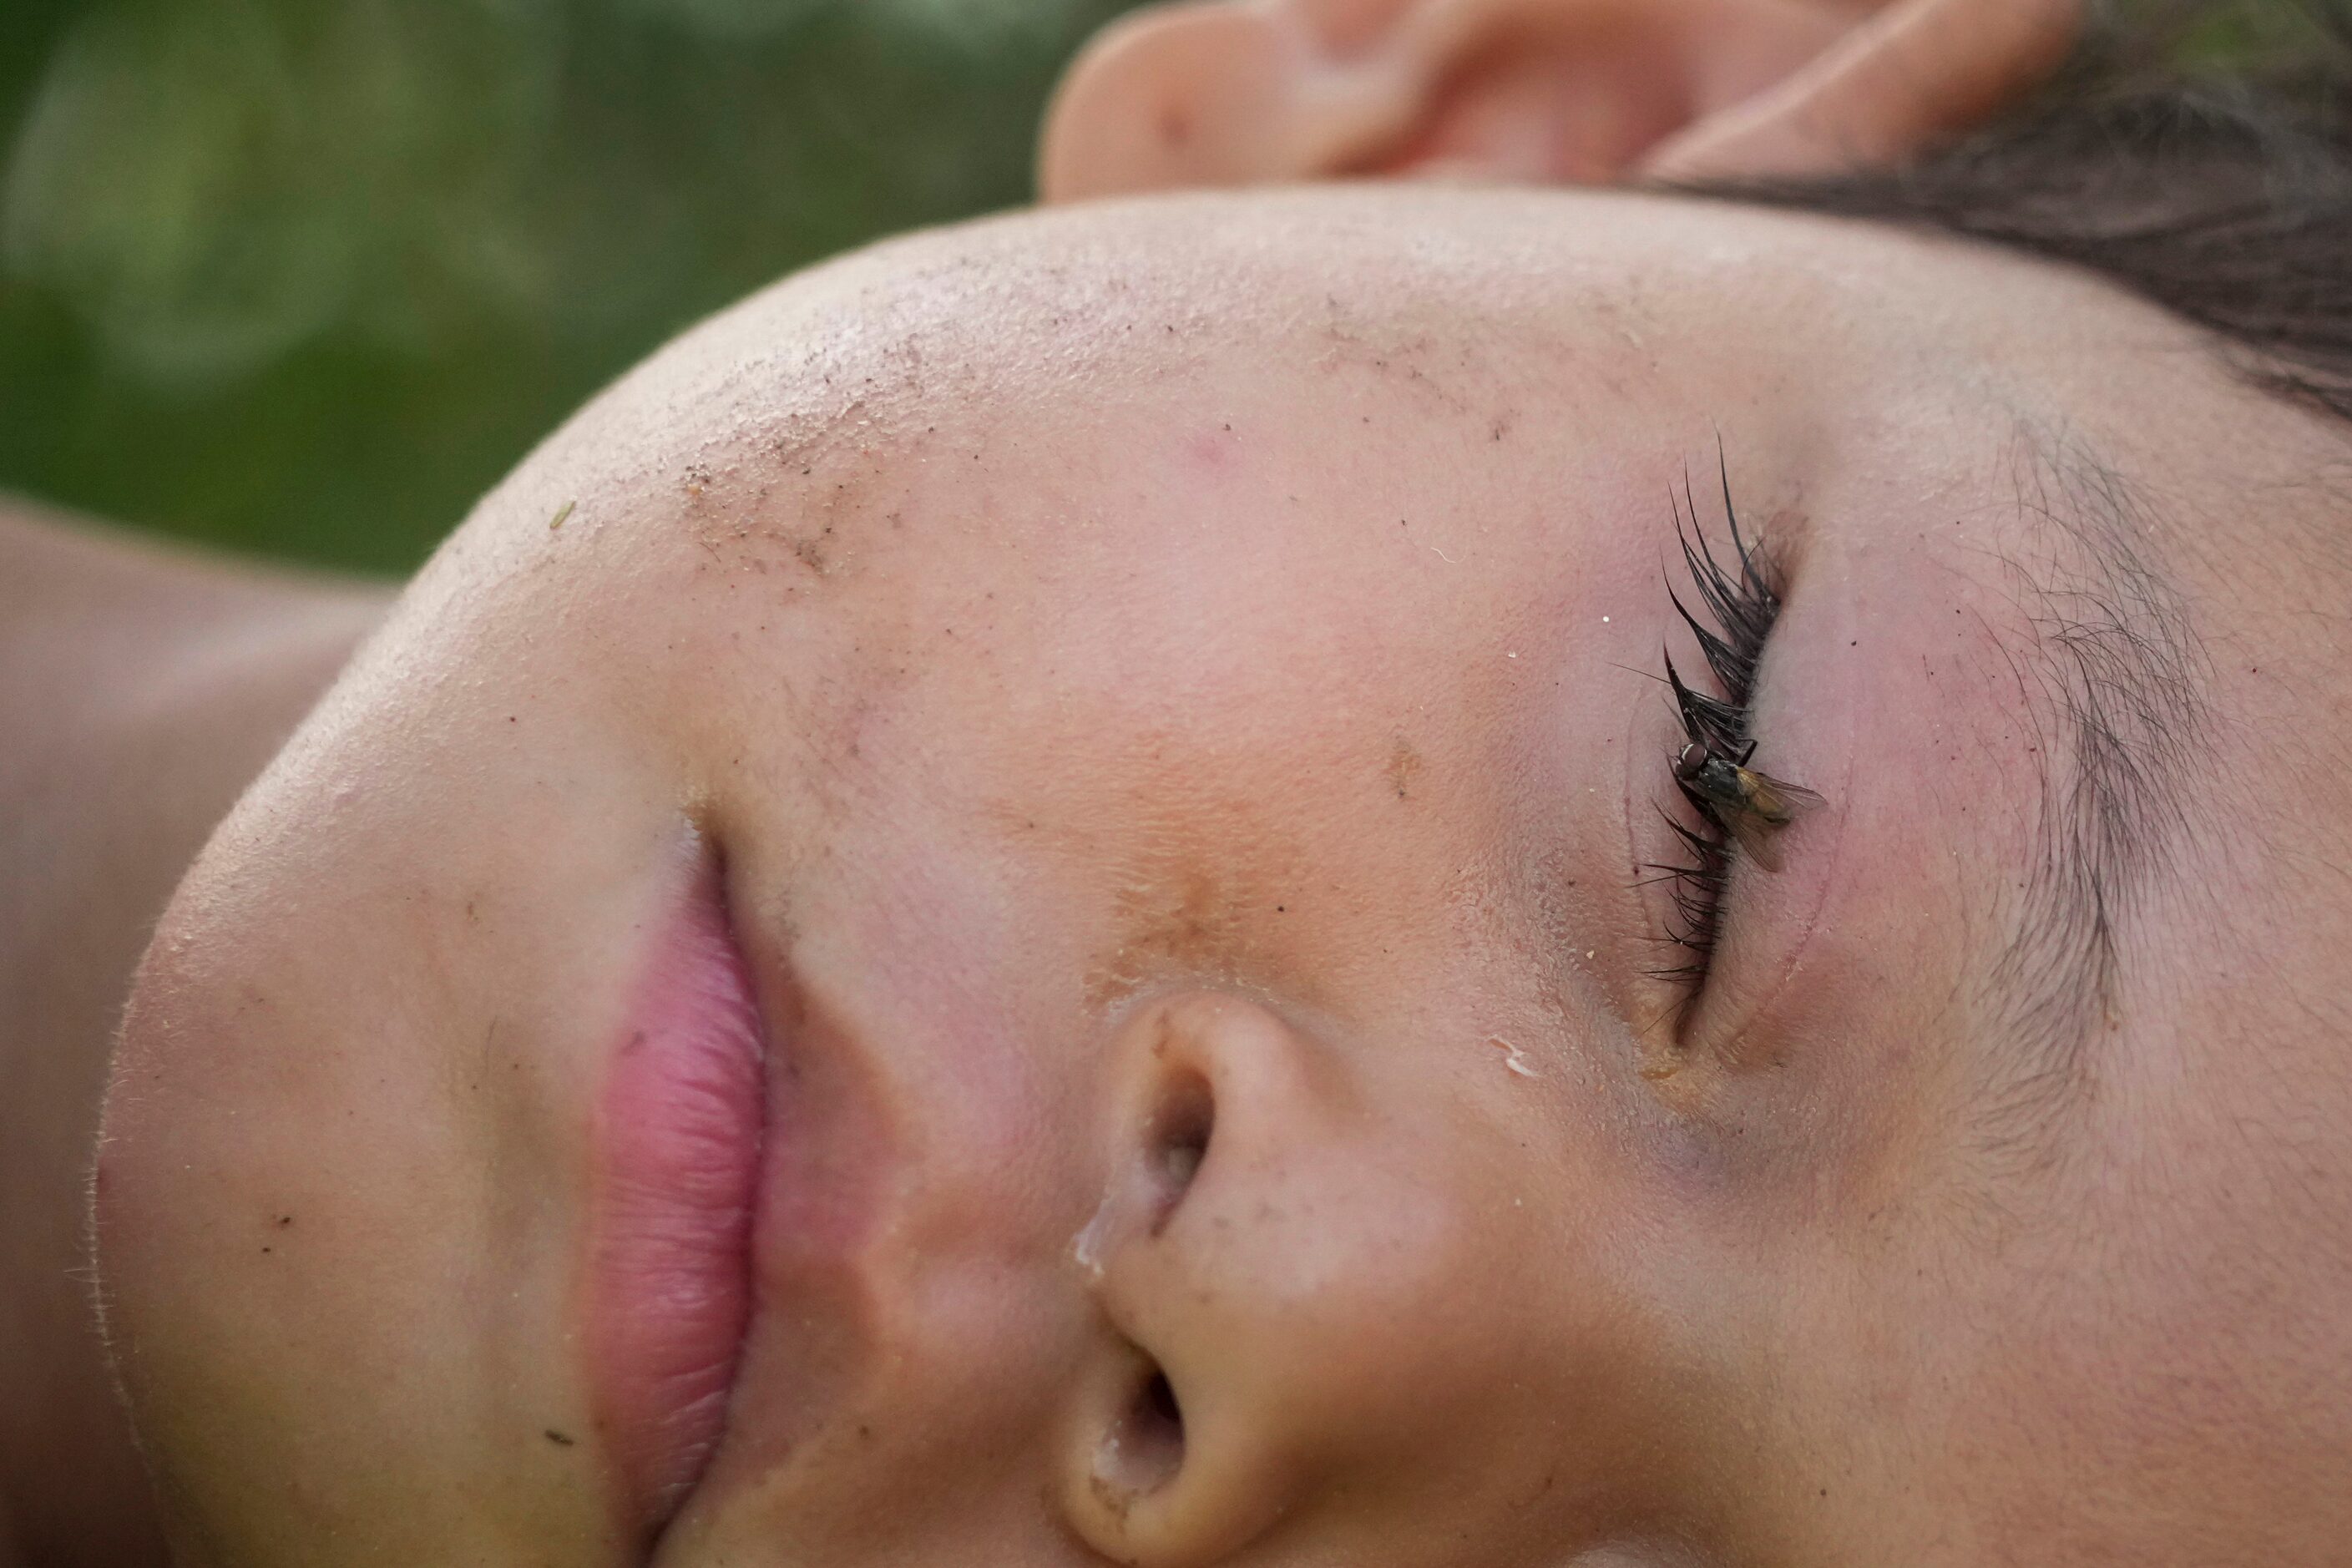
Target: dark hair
pixel 2198 155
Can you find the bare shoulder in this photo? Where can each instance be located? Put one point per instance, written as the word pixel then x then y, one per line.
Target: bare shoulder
pixel 141 687
pixel 88 611
pixel 111 642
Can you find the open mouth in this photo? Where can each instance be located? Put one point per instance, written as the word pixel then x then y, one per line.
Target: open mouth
pixel 680 1122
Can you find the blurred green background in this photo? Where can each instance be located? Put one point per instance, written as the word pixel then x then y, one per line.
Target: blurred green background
pixel 305 276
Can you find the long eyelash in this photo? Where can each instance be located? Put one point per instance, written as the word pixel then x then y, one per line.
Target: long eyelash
pixel 1738 604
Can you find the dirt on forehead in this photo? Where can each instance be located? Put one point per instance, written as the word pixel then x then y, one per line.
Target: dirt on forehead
pixel 936 339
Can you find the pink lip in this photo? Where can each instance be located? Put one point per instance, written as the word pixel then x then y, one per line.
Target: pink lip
pixel 679 1126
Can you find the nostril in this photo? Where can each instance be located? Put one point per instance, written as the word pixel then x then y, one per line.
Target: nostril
pixel 1179 1133
pixel 1160 1401
pixel 1144 1446
pixel 1206 1402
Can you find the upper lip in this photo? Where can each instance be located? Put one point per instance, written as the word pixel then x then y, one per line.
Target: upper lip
pixel 681 1123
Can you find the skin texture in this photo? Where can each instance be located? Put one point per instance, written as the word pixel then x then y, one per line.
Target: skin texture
pixel 1195 653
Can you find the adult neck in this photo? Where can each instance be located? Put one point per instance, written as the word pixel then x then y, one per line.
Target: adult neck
pixel 140 690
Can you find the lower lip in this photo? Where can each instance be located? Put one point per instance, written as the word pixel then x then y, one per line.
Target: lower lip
pixel 679 1126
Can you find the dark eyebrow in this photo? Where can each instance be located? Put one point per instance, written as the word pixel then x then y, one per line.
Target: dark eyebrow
pixel 2114 678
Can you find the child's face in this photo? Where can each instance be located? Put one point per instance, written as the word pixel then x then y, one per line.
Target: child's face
pixel 1148 719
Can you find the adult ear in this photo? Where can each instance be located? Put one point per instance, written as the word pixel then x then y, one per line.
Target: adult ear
pixel 1225 92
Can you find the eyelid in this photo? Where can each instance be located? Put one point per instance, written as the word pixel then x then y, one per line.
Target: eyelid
pixel 1741 605
pixel 1814 694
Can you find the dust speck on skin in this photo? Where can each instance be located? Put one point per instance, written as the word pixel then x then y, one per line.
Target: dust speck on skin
pixel 1403 766
pixel 804 501
pixel 1401 354
pixel 1513 1057
pixel 810 551
pixel 1406 523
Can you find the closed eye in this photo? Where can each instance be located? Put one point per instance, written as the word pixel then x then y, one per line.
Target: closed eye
pixel 1709 812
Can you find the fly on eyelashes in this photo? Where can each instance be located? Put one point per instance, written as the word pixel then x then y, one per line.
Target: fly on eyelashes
pixel 1734 809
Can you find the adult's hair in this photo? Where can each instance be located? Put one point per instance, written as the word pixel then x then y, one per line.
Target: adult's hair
pixel 2197 153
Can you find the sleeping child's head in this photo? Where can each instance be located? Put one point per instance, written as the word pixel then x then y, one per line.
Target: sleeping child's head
pixel 1366 876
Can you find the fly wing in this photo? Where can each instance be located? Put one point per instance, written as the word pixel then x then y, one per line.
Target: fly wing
pixel 1768 804
pixel 1778 801
pixel 1755 832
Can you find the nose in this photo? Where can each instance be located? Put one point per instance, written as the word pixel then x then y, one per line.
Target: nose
pixel 1265 1266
